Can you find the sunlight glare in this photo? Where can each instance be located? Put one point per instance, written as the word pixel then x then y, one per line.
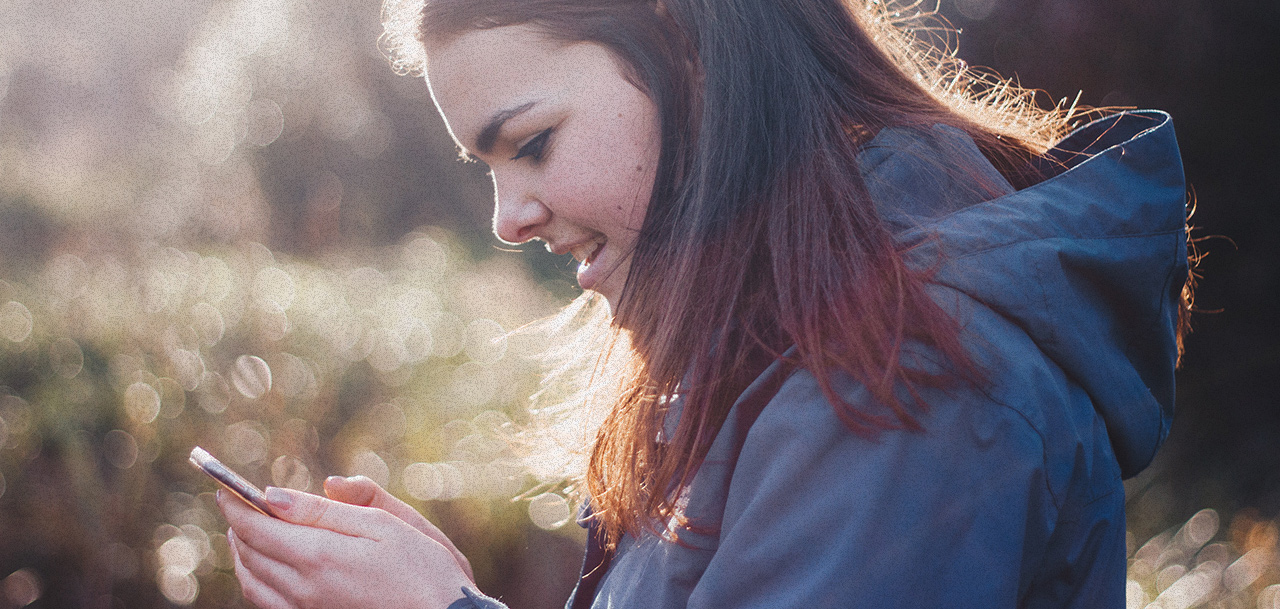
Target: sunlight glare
pixel 486 341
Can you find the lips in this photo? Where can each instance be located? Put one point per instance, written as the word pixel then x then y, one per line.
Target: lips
pixel 586 253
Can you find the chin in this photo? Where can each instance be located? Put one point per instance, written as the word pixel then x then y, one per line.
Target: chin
pixel 609 288
pixel 612 301
pixel 609 297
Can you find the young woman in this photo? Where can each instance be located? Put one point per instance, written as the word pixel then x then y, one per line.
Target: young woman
pixel 891 341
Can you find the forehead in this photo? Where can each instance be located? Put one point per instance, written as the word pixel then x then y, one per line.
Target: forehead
pixel 486 59
pixel 482 72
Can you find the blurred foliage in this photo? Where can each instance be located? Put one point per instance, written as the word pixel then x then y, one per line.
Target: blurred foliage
pixel 207 238
pixel 399 367
pixel 227 223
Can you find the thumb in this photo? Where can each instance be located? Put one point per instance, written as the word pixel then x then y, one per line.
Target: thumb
pixel 310 510
pixel 356 490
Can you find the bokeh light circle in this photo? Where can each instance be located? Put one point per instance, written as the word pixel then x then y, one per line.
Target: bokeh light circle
pixel 454 481
pixel 120 448
pixel 549 511
pixel 276 286
pixel 245 442
pixel 142 402
pixel 179 587
pixel 1200 528
pixel 188 368
pixel 15 321
pixel 251 376
pixel 22 587
pixel 290 472
pixel 976 10
pixel 369 464
pixel 208 323
pixel 66 358
pixel 448 336
pixel 423 481
pixel 179 553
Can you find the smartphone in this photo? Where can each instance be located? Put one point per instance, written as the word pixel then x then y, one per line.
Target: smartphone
pixel 232 481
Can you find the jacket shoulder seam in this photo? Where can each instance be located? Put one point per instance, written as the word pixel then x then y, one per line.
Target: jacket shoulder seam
pixel 1039 434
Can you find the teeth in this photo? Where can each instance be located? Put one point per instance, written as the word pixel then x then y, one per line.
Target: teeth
pixel 583 252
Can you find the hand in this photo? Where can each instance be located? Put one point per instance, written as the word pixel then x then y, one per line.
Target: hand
pixel 360 490
pixel 323 553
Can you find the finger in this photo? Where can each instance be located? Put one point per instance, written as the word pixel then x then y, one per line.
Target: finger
pixel 360 490
pixel 239 514
pixel 284 541
pixel 314 511
pixel 254 589
pixel 356 490
pixel 282 577
pixel 231 543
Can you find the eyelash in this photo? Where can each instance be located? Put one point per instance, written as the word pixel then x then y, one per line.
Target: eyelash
pixel 534 147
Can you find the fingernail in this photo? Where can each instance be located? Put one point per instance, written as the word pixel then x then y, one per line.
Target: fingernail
pixel 218 496
pixel 332 479
pixel 278 498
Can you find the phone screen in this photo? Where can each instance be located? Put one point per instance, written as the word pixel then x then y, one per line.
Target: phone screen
pixel 232 481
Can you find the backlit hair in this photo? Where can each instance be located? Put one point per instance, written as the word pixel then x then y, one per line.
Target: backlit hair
pixel 760 233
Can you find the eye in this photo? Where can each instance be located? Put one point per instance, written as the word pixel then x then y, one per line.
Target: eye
pixel 534 147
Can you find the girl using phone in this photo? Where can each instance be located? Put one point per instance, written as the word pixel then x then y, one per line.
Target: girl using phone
pixel 893 338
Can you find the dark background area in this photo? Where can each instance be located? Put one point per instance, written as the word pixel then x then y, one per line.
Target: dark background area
pixel 1215 67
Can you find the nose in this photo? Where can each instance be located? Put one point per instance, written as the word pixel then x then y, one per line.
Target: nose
pixel 517 213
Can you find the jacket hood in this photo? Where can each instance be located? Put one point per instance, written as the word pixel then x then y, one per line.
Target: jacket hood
pixel 1090 262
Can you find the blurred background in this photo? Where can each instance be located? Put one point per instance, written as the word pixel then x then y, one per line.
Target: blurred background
pixel 228 223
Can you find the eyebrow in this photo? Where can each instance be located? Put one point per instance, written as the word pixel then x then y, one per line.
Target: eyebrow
pixel 489 134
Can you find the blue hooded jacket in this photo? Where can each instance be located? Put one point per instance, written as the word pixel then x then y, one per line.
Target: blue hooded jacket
pixel 1068 294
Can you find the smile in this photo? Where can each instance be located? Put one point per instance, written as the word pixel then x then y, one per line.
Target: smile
pixel 586 253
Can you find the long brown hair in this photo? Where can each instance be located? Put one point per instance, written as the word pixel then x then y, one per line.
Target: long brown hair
pixel 760 233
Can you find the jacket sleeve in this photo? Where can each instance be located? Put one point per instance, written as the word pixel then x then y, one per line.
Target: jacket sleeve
pixel 473 599
pixel 817 516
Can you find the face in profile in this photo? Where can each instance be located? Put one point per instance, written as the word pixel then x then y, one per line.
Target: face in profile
pixel 571 143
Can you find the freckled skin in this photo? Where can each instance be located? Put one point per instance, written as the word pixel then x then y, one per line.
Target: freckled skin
pixel 582 190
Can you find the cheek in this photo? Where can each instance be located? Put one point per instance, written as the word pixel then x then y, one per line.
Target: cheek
pixel 610 176
pixel 633 161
